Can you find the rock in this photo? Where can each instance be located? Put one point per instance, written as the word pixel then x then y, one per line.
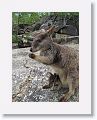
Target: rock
pixel 28 78
pixel 67 30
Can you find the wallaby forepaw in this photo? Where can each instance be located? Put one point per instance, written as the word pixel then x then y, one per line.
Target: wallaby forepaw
pixel 32 55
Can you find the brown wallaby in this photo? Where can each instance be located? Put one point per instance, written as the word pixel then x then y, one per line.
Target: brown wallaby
pixel 64 60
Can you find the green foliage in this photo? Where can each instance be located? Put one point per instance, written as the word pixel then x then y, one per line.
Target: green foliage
pixel 26 17
pixel 14 40
pixel 14 18
pixel 32 17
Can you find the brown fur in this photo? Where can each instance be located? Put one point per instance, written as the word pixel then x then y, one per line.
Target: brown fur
pixel 64 60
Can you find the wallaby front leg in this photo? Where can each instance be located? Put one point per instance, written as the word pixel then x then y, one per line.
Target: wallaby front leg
pixel 42 59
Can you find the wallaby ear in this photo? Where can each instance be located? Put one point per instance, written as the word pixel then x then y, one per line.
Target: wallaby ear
pixel 50 30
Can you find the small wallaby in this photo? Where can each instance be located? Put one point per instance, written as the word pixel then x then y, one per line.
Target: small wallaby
pixel 63 59
pixel 54 81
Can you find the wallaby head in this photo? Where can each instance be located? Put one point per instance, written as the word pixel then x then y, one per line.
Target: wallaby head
pixel 42 40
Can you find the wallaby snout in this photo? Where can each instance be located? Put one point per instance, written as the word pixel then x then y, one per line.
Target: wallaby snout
pixel 42 40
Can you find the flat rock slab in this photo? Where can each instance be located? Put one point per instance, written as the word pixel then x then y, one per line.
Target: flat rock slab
pixel 28 78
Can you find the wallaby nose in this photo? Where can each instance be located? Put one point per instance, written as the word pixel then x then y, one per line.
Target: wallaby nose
pixel 30 49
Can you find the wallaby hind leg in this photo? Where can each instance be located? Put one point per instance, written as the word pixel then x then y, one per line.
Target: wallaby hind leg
pixel 72 85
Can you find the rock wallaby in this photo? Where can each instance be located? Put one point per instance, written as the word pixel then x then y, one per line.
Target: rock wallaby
pixel 63 59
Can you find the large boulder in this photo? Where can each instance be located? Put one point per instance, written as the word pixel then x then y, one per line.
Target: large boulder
pixel 67 30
